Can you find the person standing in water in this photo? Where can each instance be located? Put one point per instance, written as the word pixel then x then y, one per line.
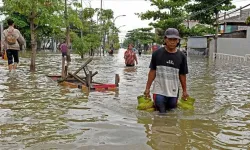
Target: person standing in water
pixel 139 49
pixel 130 56
pixel 64 48
pixel 111 51
pixel 168 67
pixel 10 42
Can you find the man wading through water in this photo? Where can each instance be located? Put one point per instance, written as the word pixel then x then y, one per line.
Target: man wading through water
pixel 168 66
pixel 130 56
pixel 11 39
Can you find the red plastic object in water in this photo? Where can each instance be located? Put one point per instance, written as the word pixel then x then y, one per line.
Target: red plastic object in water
pixel 105 86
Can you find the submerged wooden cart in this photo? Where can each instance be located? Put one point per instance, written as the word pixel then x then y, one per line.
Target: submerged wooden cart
pixel 85 82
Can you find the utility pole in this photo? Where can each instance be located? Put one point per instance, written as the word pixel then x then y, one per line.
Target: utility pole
pixel 225 24
pixel 91 29
pixel 216 34
pixel 101 30
pixel 67 23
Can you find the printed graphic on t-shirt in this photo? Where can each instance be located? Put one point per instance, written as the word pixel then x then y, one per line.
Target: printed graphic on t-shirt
pixel 166 81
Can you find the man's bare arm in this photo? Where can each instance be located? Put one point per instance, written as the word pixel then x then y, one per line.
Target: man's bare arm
pixel 136 59
pixel 151 77
pixel 183 80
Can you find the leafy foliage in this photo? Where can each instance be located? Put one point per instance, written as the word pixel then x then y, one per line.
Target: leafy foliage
pixel 169 14
pixel 45 18
pixel 106 16
pixel 205 10
pixel 90 31
pixel 38 13
pixel 139 36
pixel 85 44
pixel 200 30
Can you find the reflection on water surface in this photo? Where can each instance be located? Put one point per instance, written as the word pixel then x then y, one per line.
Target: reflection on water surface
pixel 36 113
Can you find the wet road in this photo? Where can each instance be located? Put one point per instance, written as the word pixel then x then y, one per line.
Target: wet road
pixel 36 113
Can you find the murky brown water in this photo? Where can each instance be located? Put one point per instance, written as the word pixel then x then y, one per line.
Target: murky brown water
pixel 36 113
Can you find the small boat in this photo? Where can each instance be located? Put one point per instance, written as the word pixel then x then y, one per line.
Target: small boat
pixel 85 82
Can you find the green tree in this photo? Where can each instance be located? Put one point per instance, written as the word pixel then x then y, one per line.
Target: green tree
pixel 200 30
pixel 44 17
pixel 206 10
pixel 85 44
pixel 145 36
pixel 39 12
pixel 138 36
pixel 43 31
pixel 106 17
pixel 79 45
pixel 85 39
pixel 90 30
pixel 170 13
pixel 114 37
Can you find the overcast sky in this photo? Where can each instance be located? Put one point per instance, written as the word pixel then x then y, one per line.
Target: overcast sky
pixel 129 8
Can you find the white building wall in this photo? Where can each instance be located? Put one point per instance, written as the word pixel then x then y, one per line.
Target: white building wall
pixel 232 46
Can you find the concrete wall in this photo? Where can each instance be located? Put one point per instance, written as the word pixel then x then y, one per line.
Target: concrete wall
pixel 238 34
pixel 197 42
pixel 232 46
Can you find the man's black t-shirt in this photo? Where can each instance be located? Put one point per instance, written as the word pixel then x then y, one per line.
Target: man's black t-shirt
pixel 168 67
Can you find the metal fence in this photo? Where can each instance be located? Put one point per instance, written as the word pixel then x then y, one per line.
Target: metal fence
pixel 229 57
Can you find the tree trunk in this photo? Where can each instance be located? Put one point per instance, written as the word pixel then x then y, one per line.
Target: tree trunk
pixel 82 56
pixel 91 52
pixel 108 38
pixel 104 42
pixel 33 46
pixel 44 44
pixel 68 41
pixel 67 31
pixel 39 43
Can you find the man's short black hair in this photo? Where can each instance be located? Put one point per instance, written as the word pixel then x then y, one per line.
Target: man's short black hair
pixel 10 22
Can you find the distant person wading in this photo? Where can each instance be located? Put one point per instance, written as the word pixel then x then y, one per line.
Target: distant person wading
pixel 64 49
pixel 10 41
pixel 130 56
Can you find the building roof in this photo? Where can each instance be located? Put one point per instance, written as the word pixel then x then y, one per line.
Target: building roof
pixel 204 36
pixel 245 13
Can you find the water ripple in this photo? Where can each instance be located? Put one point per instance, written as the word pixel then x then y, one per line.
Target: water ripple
pixel 37 113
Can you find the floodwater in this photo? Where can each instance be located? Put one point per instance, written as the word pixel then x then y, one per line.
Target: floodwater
pixel 36 113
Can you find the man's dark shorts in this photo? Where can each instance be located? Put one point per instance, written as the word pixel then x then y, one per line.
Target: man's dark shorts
pixel 12 54
pixel 64 54
pixel 128 65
